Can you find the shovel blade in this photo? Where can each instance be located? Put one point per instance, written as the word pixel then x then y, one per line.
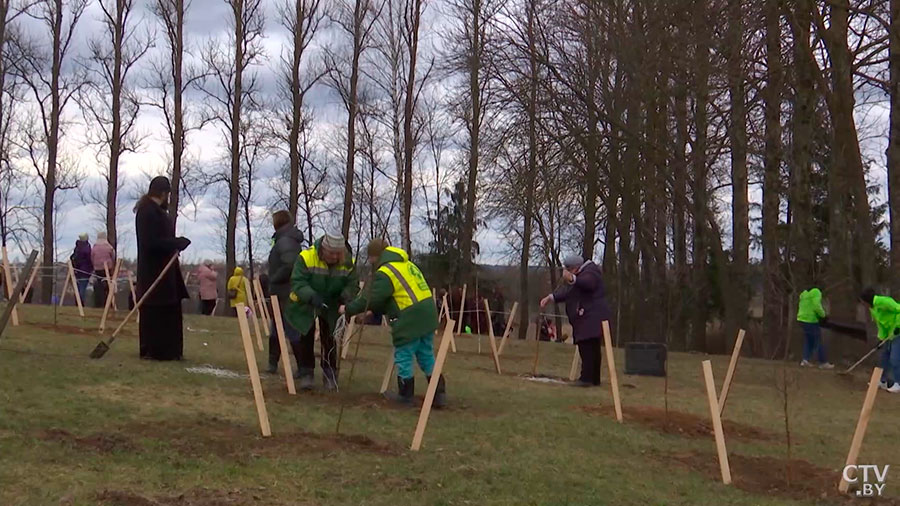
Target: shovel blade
pixel 100 350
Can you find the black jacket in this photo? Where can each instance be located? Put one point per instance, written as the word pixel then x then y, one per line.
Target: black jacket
pixel 585 303
pixel 156 244
pixel 288 241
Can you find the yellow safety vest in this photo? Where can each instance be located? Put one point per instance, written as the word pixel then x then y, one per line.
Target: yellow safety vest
pixel 410 286
pixel 316 265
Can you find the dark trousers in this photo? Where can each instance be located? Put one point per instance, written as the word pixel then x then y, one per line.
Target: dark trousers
pixel 161 332
pixel 290 335
pixel 307 358
pixel 589 350
pixel 207 306
pixel 101 289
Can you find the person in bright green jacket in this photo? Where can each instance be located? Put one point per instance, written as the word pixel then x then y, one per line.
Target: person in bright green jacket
pixel 399 290
pixel 885 312
pixel 323 278
pixel 810 315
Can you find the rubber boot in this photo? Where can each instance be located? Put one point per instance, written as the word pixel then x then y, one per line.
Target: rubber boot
pixel 330 379
pixel 440 395
pixel 306 377
pixel 406 388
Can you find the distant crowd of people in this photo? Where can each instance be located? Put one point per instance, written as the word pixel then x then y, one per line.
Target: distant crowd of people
pixel 97 262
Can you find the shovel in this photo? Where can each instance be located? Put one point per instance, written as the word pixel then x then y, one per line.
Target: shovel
pixel 867 355
pixel 103 347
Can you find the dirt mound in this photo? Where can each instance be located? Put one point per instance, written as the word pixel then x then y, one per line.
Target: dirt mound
pixel 80 331
pixel 227 439
pixel 366 400
pixel 196 497
pixel 681 424
pixel 772 476
pixel 102 443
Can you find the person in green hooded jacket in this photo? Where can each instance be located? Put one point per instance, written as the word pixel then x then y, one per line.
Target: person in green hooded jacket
pixel 399 290
pixel 323 278
pixel 885 312
pixel 811 315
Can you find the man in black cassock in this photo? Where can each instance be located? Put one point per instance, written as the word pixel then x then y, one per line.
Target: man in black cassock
pixel 161 332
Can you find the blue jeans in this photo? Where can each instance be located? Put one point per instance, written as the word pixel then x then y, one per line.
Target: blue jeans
pixel 890 361
pixel 82 288
pixel 423 351
pixel 812 342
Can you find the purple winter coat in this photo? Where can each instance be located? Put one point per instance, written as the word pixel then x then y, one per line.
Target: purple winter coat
pixel 81 260
pixel 585 303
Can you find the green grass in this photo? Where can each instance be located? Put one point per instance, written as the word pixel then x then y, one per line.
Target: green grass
pixel 136 429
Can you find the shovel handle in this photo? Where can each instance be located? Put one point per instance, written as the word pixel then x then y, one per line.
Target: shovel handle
pixel 146 294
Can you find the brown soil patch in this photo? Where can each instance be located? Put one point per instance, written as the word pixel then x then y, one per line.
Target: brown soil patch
pixel 102 443
pixel 368 400
pixel 769 476
pixel 681 424
pixel 196 497
pixel 80 331
pixel 201 437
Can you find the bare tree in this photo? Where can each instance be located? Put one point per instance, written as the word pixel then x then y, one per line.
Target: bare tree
pixel 356 21
pixel 169 80
pixel 109 103
pixel 231 92
pixel 45 71
pixel 302 19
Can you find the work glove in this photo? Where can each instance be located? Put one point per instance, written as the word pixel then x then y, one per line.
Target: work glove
pixel 182 243
pixel 316 301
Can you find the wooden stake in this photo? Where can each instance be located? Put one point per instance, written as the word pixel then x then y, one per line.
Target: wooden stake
pixel 249 290
pixel 611 363
pixel 512 314
pixel 445 311
pixel 7 275
pixel 462 306
pixel 110 292
pixel 494 354
pixel 30 282
pixel 285 353
pixel 254 372
pixel 432 387
pixel 735 355
pixel 348 335
pixel 386 382
pixel 716 421
pixel 78 301
pixel 261 304
pixel 133 295
pixel 537 349
pixel 65 286
pixel 861 425
pixel 576 363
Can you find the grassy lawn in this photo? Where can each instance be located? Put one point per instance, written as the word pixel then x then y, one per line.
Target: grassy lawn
pixel 121 431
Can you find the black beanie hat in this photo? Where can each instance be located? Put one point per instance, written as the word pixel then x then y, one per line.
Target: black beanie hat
pixel 159 184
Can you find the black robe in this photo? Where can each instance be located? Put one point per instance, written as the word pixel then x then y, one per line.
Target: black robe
pixel 161 332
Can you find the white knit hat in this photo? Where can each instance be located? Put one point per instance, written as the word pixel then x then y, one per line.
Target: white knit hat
pixel 334 240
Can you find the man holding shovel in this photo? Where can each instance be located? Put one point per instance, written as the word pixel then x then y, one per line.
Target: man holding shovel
pixel 886 314
pixel 324 277
pixel 161 331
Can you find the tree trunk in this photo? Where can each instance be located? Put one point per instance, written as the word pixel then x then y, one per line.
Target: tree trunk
pixel 408 112
pixel 801 231
pixel 679 215
pixel 115 145
pixel 235 127
pixel 740 206
pixel 178 112
pixel 531 111
pixel 474 71
pixel 296 116
pixel 52 152
pixel 352 110
pixel 772 94
pixel 700 248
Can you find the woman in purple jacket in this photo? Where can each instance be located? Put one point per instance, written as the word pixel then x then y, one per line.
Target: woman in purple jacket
pixel 585 299
pixel 81 262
